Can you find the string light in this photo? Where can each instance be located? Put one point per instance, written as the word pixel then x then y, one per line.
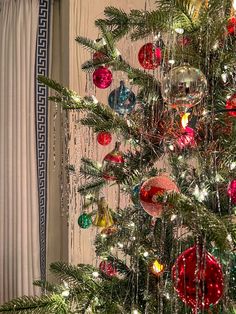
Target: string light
pixel 232 165
pixel 179 30
pixel 234 5
pixel 145 254
pixel 95 274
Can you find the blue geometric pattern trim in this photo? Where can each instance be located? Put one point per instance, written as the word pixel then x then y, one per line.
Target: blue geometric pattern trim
pixel 41 123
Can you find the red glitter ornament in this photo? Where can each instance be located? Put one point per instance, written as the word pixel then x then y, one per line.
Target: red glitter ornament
pixel 184 41
pixel 108 268
pixel 104 138
pixel 232 191
pixel 231 26
pixel 151 190
pixel 111 162
pixel 99 56
pixel 231 104
pixel 149 56
pixel 198 278
pixel 102 77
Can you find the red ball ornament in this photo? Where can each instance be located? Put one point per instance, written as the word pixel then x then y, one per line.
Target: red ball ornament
pixel 104 138
pixel 149 56
pixel 108 268
pixel 102 77
pixel 231 26
pixel 111 162
pixel 231 104
pixel 198 278
pixel 232 191
pixel 151 190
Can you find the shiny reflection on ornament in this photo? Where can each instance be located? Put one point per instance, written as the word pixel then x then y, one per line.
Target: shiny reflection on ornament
pixel 184 86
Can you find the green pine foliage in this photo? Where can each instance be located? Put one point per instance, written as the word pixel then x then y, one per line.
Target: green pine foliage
pixel 202 209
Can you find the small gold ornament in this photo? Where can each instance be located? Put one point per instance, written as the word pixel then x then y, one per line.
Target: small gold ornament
pixel 103 217
pixel 156 268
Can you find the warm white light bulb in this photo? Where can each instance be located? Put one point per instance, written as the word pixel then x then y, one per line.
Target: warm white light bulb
pixel 234 4
pixel 145 254
pixel 95 274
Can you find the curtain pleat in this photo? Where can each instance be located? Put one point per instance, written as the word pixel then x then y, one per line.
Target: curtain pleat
pixel 19 231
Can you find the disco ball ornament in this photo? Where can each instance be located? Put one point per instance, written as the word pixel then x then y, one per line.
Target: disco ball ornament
pixel 231 191
pixel 231 26
pixel 108 268
pixel 231 104
pixel 104 138
pixel 122 99
pixel 150 192
pixel 184 86
pixel 85 221
pixel 198 278
pixel 102 77
pixel 112 162
pixel 149 56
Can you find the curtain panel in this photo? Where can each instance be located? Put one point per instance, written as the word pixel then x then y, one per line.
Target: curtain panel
pixel 24 42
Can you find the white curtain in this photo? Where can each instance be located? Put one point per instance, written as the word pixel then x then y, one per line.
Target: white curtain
pixel 19 236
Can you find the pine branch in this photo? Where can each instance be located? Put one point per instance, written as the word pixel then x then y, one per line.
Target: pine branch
pixel 198 219
pixel 45 304
pixel 87 43
pixel 90 168
pixel 118 19
pixel 49 287
pixel 92 187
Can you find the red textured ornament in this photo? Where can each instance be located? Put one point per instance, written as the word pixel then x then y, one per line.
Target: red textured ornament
pixel 184 41
pixel 198 278
pixel 99 56
pixel 151 190
pixel 104 138
pixel 187 139
pixel 149 56
pixel 231 104
pixel 108 268
pixel 232 191
pixel 102 77
pixel 111 162
pixel 231 26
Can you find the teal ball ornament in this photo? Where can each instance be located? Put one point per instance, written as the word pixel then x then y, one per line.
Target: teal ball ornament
pixel 85 221
pixel 122 99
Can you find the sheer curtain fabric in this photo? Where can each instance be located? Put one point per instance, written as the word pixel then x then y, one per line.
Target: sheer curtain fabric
pixel 19 235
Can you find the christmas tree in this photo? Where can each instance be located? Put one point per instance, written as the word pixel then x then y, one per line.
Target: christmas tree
pixel 176 237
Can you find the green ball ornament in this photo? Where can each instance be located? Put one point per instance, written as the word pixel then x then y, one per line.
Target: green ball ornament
pixel 85 221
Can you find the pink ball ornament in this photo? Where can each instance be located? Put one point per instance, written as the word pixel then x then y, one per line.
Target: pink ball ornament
pixel 108 268
pixel 231 191
pixel 151 190
pixel 187 139
pixel 198 278
pixel 104 138
pixel 102 77
pixel 149 56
